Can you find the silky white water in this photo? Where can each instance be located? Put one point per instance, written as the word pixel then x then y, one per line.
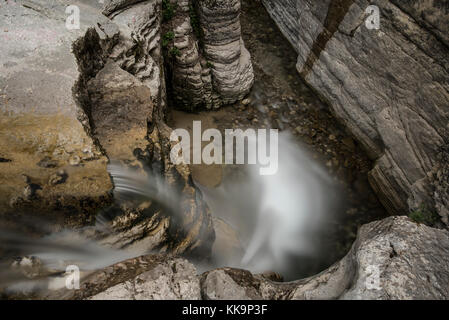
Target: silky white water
pixel 278 218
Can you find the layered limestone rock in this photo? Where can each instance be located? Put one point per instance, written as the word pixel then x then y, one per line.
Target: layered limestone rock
pixel 390 87
pixel 65 114
pixel 120 92
pixel 391 259
pixel 232 71
pixel 208 63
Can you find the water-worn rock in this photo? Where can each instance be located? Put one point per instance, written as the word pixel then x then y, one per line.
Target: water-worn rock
pixel 105 99
pixel 209 64
pixel 121 91
pixel 151 277
pixel 393 258
pixel 390 86
pixel 232 71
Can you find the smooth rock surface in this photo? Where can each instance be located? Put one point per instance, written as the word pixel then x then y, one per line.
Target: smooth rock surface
pixel 39 117
pixel 390 87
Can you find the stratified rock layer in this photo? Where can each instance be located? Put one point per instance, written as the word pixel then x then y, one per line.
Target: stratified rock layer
pixel 390 86
pixel 210 65
pixel 121 95
pixel 73 99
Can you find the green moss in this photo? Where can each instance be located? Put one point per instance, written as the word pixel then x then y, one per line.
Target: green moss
pixel 209 65
pixel 174 52
pixel 168 10
pixel 425 216
pixel 167 38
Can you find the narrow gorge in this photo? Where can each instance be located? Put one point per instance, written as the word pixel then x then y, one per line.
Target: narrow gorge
pixel 90 115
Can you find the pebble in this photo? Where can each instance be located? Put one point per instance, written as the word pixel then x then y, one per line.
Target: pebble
pixel 15 201
pixel 74 161
pixel 29 191
pixel 57 178
pixel 246 102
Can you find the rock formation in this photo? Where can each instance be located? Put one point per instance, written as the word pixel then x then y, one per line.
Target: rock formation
pixel 388 86
pixel 109 104
pixel 394 258
pixel 208 63
pixel 122 106
pixel 64 116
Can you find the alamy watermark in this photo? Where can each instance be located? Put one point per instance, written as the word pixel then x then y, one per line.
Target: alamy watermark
pixel 72 278
pixel 251 147
pixel 372 22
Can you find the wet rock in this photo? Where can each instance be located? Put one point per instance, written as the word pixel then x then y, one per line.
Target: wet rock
pixel 30 266
pixel 273 276
pixel 15 201
pixel 121 90
pixel 220 285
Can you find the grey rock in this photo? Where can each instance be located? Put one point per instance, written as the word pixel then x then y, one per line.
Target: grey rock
pixel 120 91
pixel 220 285
pixel 394 258
pixel 174 279
pixel 75 160
pixel 390 86
pixel 150 277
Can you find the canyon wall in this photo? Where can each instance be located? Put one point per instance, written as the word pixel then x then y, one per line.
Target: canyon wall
pixel 388 86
